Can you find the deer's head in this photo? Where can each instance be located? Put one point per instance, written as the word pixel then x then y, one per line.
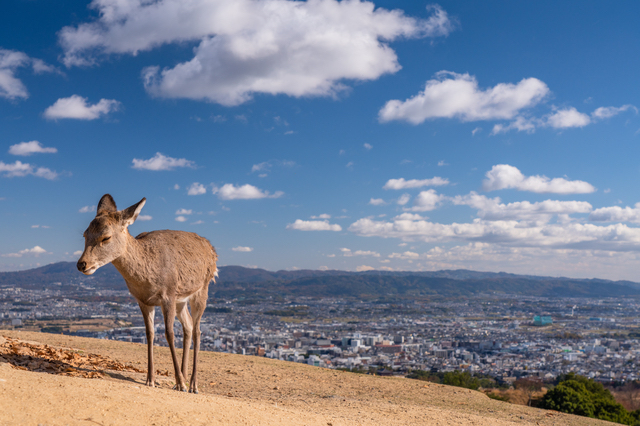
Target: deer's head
pixel 106 237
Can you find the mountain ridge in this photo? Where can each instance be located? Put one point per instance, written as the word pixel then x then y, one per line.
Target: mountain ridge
pixel 241 282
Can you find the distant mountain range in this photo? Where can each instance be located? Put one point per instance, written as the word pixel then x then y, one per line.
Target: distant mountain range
pixel 237 281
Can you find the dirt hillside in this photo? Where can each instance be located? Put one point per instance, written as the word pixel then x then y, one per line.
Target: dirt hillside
pixel 54 379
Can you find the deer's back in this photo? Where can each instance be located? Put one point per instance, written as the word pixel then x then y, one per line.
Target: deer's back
pixel 171 261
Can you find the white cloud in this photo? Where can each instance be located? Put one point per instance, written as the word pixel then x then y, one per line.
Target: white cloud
pixel 76 107
pixel 544 260
pixel 229 191
pixel 368 146
pixel 196 189
pixel 451 95
pixel 144 217
pixel 560 119
pixel 568 117
pixel 20 169
pixel 314 225
pixel 407 255
pixel 364 268
pixel 443 163
pixel 520 124
pixel 348 253
pixel 608 112
pixel 415 183
pixel 266 166
pixel 77 253
pixel 246 47
pixel 28 148
pixel 181 219
pixel 615 237
pixel 403 199
pixel 36 251
pixel 491 208
pixel 377 202
pixel 504 176
pixel 476 130
pixel 427 201
pixel 184 211
pixel 242 249
pixel 322 216
pixel 616 214
pixel 161 162
pixel 87 209
pixel 10 61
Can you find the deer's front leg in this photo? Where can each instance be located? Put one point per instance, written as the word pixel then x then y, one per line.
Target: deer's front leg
pixel 148 313
pixel 169 312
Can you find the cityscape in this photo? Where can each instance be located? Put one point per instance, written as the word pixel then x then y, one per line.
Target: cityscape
pixel 498 336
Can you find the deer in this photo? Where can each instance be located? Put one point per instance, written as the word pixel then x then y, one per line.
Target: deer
pixel 164 268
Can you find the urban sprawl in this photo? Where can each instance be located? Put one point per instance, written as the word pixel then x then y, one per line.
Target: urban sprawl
pixel 504 337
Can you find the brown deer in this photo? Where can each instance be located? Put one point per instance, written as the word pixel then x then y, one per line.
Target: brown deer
pixel 161 268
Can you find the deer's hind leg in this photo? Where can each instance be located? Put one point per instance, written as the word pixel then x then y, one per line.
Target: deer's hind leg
pixel 187 332
pixel 198 304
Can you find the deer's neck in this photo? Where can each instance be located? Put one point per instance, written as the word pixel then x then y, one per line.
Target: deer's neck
pixel 131 265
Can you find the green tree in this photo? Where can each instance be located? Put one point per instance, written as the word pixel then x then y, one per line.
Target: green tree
pixel 579 395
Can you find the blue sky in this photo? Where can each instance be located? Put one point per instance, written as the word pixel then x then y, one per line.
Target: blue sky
pixel 347 135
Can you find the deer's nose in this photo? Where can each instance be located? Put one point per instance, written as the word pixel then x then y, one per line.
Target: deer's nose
pixel 81 266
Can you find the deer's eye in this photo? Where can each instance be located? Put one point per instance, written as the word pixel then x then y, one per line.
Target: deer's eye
pixel 105 239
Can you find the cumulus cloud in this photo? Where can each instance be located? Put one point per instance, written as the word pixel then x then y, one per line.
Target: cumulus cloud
pixel 246 47
pixel 322 216
pixel 229 191
pixel 314 225
pixel 87 209
pixel 615 237
pixel 452 95
pixel 76 107
pixel 161 162
pixel 568 117
pixel 427 201
pixel 616 214
pixel 144 217
pixel 35 251
pixel 11 87
pixel 196 189
pixel 504 176
pixel 184 211
pixel 561 119
pixel 181 219
pixel 403 199
pixel 407 255
pixel 348 253
pixel 20 169
pixel 377 202
pixel 415 183
pixel 28 148
pixel 492 209
pixel 520 124
pixel 608 112
pixel 364 268
pixel 368 146
pixel 242 249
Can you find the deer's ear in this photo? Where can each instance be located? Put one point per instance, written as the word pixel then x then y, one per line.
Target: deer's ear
pixel 130 214
pixel 106 205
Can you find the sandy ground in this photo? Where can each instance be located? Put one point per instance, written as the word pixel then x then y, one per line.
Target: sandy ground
pixel 102 383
